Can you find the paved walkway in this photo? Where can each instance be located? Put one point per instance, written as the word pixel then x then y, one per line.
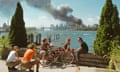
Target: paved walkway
pixel 3 68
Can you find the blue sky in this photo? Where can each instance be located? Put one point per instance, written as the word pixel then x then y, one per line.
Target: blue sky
pixel 87 10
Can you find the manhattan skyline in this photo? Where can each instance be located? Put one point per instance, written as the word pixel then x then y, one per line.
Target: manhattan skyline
pixel 39 13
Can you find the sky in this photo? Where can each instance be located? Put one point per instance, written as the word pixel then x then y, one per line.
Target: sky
pixel 39 13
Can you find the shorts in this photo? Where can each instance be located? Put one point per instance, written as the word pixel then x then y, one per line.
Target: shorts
pixel 30 64
pixel 42 52
pixel 12 64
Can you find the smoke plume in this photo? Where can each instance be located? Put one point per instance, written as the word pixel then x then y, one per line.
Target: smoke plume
pixel 63 12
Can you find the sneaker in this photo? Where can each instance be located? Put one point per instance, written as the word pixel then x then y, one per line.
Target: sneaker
pixel 41 66
pixel 37 71
pixel 13 68
pixel 31 71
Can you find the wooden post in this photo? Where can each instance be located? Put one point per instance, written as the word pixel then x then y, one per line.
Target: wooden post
pixel 38 39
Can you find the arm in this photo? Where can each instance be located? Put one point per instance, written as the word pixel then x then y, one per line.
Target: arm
pixel 35 56
pixel 79 49
pixel 16 57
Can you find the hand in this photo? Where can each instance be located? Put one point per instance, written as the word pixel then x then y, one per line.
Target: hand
pixel 17 59
pixel 77 49
pixel 36 58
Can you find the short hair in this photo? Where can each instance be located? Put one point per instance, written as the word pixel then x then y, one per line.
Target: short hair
pixel 67 39
pixel 31 46
pixel 15 47
pixel 44 39
pixel 80 38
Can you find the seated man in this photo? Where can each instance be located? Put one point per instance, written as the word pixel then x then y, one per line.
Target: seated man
pixel 83 48
pixel 13 59
pixel 44 48
pixel 27 61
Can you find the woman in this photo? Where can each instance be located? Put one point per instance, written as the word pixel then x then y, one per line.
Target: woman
pixel 67 45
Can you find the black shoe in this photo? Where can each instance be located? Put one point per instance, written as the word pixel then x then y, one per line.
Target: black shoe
pixel 9 68
pixel 13 68
pixel 37 71
pixel 31 71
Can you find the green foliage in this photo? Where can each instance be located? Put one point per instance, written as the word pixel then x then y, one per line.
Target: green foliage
pixel 4 42
pixel 4 47
pixel 109 29
pixel 17 34
pixel 114 54
pixel 4 52
pixel 111 64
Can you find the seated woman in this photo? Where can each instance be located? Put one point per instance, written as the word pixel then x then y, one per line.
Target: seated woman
pixel 67 45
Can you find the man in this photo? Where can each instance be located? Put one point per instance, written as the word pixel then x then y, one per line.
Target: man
pixel 13 58
pixel 27 60
pixel 83 48
pixel 44 48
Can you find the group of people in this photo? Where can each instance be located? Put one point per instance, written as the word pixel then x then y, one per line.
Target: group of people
pixel 28 61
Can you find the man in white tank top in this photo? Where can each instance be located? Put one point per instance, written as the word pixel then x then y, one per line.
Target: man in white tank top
pixel 13 59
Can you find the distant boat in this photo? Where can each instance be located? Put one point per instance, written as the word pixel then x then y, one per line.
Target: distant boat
pixel 86 34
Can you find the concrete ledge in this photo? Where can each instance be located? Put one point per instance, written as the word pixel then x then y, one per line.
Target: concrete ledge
pixel 90 59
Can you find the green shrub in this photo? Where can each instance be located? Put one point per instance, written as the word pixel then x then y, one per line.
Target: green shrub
pixel 109 29
pixel 5 47
pixel 4 52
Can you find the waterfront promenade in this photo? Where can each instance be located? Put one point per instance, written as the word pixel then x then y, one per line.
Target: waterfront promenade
pixel 3 68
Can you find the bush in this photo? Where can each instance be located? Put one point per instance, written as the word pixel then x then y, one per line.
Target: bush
pixel 4 52
pixel 5 47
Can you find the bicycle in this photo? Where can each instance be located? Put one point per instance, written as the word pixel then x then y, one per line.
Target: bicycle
pixel 58 56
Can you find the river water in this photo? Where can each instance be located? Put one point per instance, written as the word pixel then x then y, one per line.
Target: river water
pixel 58 37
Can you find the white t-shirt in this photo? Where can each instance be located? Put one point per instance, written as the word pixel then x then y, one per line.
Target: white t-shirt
pixel 11 56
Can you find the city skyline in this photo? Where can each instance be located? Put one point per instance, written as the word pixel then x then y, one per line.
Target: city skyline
pixel 39 13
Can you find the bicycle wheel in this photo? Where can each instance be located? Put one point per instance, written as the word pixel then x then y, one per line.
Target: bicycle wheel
pixel 47 61
pixel 68 58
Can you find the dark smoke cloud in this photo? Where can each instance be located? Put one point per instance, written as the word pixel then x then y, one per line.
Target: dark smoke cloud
pixel 64 12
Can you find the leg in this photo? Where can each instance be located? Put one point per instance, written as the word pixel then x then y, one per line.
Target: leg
pixel 77 56
pixel 36 62
pixel 11 65
pixel 27 65
pixel 42 54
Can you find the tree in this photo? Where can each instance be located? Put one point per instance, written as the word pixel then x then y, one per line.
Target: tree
pixel 109 29
pixel 17 34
